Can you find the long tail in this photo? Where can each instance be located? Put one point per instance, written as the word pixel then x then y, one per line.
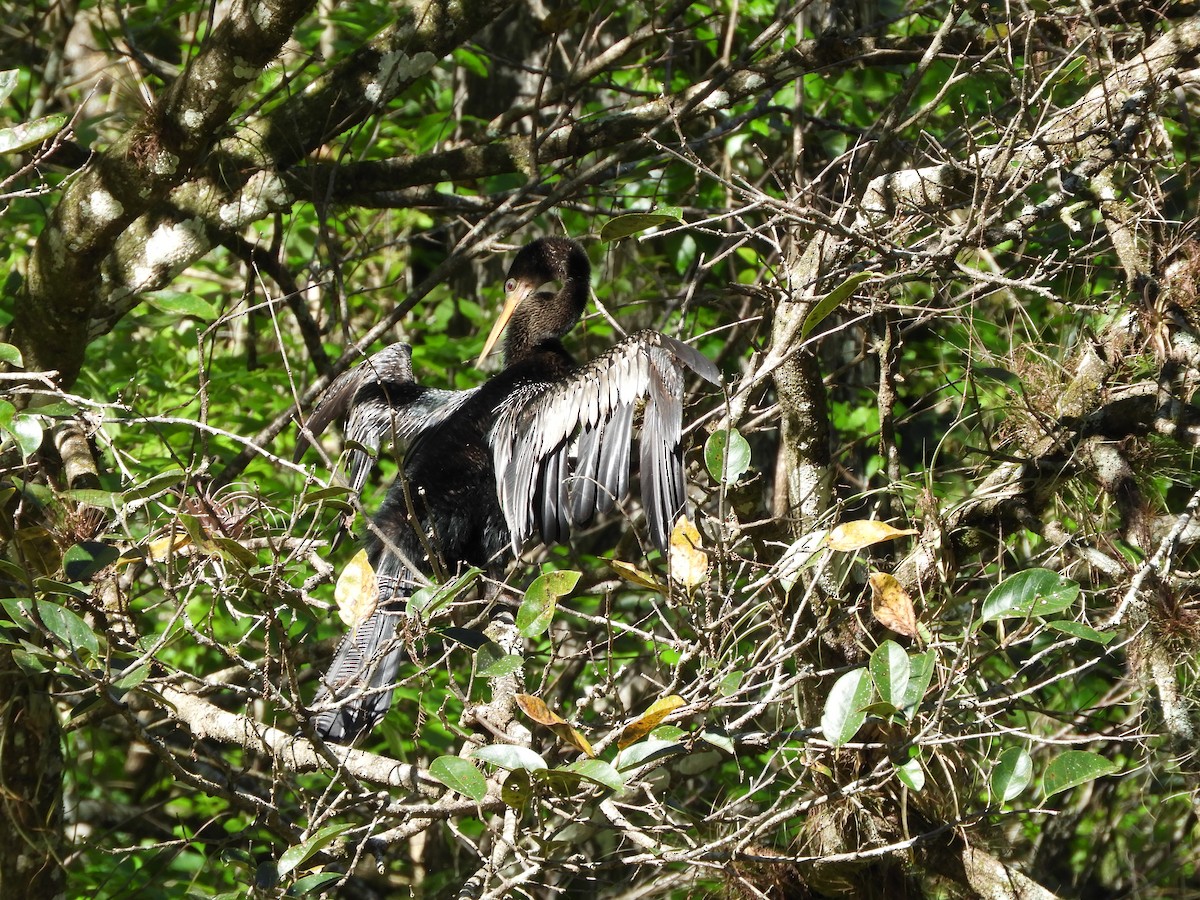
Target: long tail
pixel 361 679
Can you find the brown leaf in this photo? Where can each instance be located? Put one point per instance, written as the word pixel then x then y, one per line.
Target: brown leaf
pixel 649 720
pixel 634 575
pixel 688 561
pixel 536 709
pixel 863 533
pixel 357 592
pixel 891 605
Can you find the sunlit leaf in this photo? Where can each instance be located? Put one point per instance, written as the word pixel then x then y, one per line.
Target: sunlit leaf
pixel 620 227
pixel 727 455
pixel 459 775
pixel 492 662
pixel 1084 632
pixel 844 707
pixel 921 668
pixel 425 602
pixel 9 354
pixel 831 301
pixel 182 304
pixel 357 590
pixel 647 721
pixel 538 711
pixel 16 138
pixel 1072 768
pixel 315 843
pixel 891 605
pixel 8 83
pixel 600 772
pixel 1012 774
pixel 634 575
pixel 1033 592
pixel 541 599
pixel 510 756
pixel 864 533
pixel 911 775
pixel 27 432
pixel 890 670
pixel 688 561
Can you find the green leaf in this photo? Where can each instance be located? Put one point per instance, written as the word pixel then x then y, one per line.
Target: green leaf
pixel 911 775
pixel 492 662
pixel 295 856
pixel 311 883
pixel 921 667
pixel 85 559
pixel 1073 768
pixel 537 609
pixel 11 355
pixel 7 410
pixel 727 455
pixel 1012 774
pixel 132 678
pixel 600 772
pixel 730 683
pixel 831 301
pixel 890 670
pixel 843 714
pixel 92 497
pixel 459 775
pixel 510 756
pixel 68 627
pixel 154 486
pixel 1085 632
pixel 8 83
pixel 182 304
pixel 16 138
pixel 517 789
pixel 1034 592
pixel 426 601
pixel 620 227
pixel 27 432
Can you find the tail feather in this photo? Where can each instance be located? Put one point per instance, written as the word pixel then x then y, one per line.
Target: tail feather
pixel 357 689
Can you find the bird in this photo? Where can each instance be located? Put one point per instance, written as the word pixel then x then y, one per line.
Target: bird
pixel 541 448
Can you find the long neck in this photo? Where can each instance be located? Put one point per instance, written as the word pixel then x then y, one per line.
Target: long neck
pixel 543 320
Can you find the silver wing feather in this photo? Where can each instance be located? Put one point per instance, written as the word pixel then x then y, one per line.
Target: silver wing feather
pixel 589 417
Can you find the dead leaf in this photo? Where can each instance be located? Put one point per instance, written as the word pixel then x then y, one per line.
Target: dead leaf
pixel 863 533
pixel 891 605
pixel 649 720
pixel 688 562
pixel 634 575
pixel 357 591
pixel 536 709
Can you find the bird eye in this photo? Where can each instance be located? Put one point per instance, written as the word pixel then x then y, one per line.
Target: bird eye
pixel 510 285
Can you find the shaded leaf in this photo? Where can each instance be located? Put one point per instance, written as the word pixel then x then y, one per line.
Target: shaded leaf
pixel 891 605
pixel 649 720
pixel 8 83
pixel 68 627
pixel 426 601
pixel 85 559
pixel 492 662
pixel 856 535
pixel 1084 632
pixel 459 775
pixel 688 562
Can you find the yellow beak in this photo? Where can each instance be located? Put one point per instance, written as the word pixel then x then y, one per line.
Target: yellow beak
pixel 512 300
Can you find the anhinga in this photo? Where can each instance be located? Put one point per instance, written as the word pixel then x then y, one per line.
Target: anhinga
pixel 542 446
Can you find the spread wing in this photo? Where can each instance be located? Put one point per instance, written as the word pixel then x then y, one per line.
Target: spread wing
pixel 562 448
pixel 377 401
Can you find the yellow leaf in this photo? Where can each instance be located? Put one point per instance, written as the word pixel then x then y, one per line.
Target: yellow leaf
pixel 536 709
pixel 864 533
pixel 688 562
pixel 357 592
pixel 163 548
pixel 649 720
pixel 634 575
pixel 891 605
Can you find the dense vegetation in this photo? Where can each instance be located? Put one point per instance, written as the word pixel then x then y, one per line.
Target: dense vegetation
pixel 939 636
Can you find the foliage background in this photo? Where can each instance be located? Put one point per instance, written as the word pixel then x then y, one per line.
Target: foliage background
pixel 944 258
